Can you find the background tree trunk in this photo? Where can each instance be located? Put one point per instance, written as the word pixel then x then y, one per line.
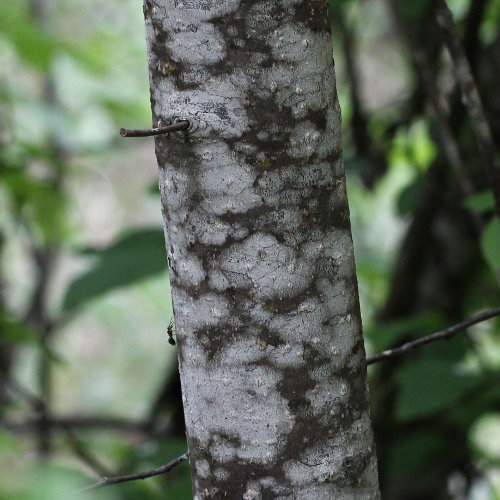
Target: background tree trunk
pixel 260 252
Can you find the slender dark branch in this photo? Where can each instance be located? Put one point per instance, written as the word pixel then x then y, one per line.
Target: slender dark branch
pixel 79 422
pixel 182 125
pixel 442 334
pixel 107 481
pixel 470 96
pixel 70 422
pixel 32 399
pixel 365 147
pixel 45 258
pixel 448 142
pixel 427 80
pixel 361 138
pixel 80 450
pixel 475 16
pixel 38 317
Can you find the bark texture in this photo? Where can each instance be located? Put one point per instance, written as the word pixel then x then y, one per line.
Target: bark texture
pixel 260 252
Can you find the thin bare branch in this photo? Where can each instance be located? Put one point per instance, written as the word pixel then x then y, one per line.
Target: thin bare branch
pixel 32 399
pixel 78 422
pixel 81 451
pixel 442 334
pixel 470 96
pixel 107 481
pixel 436 100
pixel 365 147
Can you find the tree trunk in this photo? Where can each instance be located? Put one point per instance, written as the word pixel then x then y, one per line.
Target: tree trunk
pixel 260 251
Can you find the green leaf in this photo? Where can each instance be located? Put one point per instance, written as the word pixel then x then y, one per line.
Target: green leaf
pixel 11 331
pixel 480 202
pixel 428 386
pixel 414 10
pixel 154 189
pixel 421 146
pixel 408 198
pixel 387 335
pixel 414 452
pixel 490 245
pixel 135 256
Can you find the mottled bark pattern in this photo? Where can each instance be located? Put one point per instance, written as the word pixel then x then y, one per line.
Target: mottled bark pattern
pixel 260 252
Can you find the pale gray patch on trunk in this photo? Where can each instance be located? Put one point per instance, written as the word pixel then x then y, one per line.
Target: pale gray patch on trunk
pixel 260 251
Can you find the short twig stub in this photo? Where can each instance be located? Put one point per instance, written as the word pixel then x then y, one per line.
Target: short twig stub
pixel 181 125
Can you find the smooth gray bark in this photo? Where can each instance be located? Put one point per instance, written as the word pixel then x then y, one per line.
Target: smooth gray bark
pixel 260 252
